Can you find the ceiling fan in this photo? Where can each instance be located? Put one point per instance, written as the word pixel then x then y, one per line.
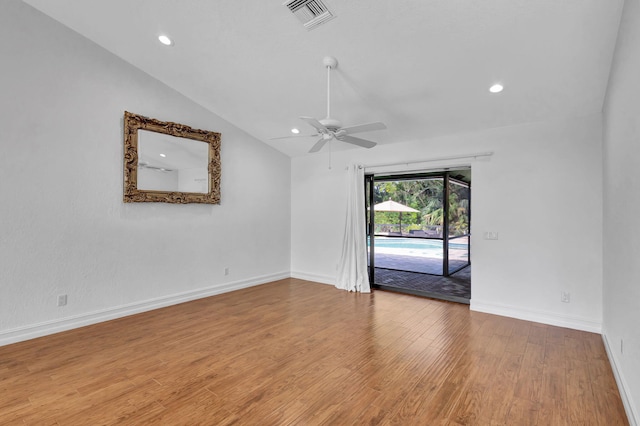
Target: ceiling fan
pixel 329 128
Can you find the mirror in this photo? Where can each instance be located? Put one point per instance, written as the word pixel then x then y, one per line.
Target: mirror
pixel 169 162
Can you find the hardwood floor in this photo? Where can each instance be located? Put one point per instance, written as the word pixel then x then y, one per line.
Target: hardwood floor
pixel 295 352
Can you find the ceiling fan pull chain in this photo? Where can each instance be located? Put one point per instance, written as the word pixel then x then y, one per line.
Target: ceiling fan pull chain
pixel 330 151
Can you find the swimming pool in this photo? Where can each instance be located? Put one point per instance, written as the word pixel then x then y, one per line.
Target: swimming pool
pixel 415 243
pixel 458 249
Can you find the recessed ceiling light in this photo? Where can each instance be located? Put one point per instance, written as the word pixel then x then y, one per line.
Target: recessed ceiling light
pixel 295 131
pixel 163 155
pixel 165 40
pixel 496 88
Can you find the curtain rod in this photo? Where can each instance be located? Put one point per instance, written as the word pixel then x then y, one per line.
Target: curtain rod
pixel 451 157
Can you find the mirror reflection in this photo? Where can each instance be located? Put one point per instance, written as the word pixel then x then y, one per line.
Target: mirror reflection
pixel 167 162
pixel 170 163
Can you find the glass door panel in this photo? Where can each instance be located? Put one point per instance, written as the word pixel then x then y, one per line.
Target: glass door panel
pixel 409 221
pixel 459 219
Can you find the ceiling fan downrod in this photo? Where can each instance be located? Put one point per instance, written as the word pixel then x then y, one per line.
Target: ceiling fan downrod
pixel 330 63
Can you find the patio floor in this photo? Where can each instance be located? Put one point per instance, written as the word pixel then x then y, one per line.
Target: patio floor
pixel 394 272
pixel 425 265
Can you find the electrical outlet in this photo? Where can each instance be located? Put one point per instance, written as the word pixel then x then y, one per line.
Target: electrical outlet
pixel 490 235
pixel 62 300
pixel 565 297
pixel 226 271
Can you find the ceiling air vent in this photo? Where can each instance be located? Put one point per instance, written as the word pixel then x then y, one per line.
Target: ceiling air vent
pixel 311 13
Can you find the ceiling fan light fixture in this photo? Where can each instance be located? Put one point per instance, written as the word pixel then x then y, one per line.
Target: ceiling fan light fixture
pixel 329 128
pixel 496 88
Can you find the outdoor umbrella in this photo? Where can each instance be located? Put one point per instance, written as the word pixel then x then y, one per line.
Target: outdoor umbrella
pixel 392 206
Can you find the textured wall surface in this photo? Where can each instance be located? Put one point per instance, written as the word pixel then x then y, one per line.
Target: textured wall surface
pixel 63 226
pixel 622 208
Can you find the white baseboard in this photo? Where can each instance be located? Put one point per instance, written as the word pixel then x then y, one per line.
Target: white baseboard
pixel 629 408
pixel 55 326
pixel 537 316
pixel 322 279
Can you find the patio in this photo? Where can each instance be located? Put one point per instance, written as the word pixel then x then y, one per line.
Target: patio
pixel 420 264
pixel 455 288
pixel 422 276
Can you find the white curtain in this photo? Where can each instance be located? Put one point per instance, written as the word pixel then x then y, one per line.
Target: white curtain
pixel 352 269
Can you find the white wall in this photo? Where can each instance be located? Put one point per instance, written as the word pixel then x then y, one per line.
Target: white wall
pixel 541 191
pixel 622 210
pixel 63 226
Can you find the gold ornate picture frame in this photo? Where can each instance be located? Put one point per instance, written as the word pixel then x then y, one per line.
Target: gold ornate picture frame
pixel 134 125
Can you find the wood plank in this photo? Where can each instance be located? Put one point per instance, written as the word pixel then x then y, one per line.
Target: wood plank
pixel 297 352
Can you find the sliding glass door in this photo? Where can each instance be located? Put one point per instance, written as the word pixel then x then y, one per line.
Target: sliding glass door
pixel 418 223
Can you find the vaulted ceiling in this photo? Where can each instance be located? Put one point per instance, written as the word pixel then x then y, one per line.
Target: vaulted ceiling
pixel 423 67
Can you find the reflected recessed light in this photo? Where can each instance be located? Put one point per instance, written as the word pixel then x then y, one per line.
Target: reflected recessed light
pixel 163 155
pixel 295 131
pixel 165 40
pixel 496 88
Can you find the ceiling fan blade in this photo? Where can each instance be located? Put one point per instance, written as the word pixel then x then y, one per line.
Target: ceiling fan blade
pixel 357 141
pixel 318 146
pixel 369 127
pixel 296 136
pixel 315 123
